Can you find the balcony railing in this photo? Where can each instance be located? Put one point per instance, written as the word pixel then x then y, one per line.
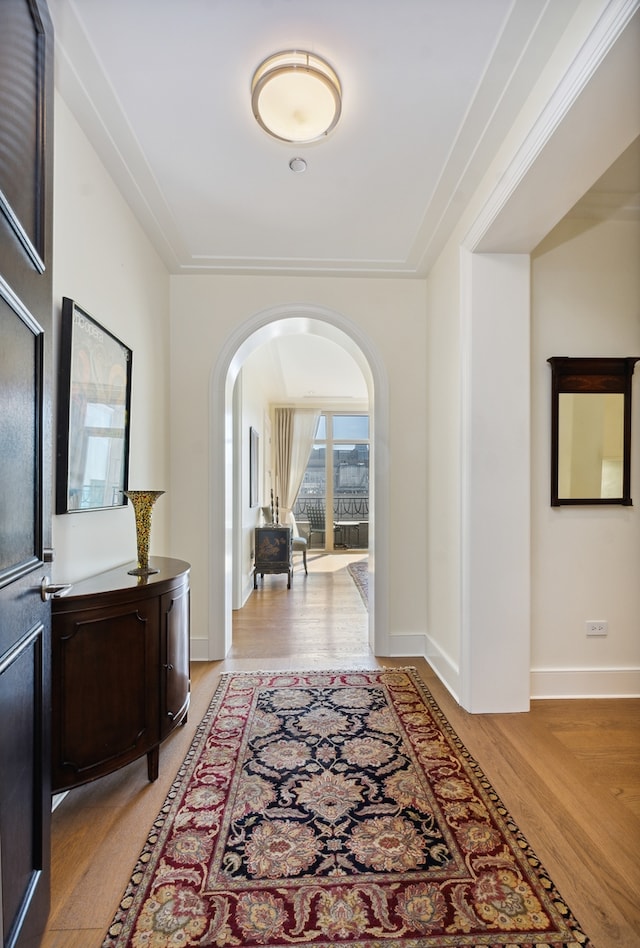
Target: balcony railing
pixel 350 515
pixel 345 507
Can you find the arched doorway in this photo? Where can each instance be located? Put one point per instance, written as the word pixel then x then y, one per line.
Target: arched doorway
pixel 253 333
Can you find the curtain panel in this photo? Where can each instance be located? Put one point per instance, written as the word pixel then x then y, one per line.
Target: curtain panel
pixel 293 434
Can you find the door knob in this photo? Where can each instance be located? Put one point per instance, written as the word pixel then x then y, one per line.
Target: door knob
pixel 49 589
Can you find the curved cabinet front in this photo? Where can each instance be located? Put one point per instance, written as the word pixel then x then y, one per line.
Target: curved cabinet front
pixel 120 670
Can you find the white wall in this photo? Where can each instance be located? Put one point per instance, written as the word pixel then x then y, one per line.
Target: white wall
pixel 566 136
pixel 442 430
pixel 478 434
pixel 104 262
pixel 252 412
pixel 585 560
pixel 205 312
pixel 495 495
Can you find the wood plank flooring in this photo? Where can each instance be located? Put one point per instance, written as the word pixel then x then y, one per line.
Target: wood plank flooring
pixel 568 771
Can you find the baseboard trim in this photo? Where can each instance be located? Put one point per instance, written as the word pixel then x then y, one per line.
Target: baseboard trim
pixel 585 683
pixel 57 799
pixel 445 668
pixel 418 643
pixel 199 650
pixel 545 682
pixel 407 645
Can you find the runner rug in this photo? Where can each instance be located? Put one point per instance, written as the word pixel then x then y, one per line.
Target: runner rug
pixel 359 572
pixel 335 808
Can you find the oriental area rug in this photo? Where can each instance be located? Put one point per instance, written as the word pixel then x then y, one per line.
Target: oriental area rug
pixel 329 808
pixel 359 572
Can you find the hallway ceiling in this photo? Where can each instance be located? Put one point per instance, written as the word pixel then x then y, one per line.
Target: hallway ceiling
pixel 306 369
pixel 430 88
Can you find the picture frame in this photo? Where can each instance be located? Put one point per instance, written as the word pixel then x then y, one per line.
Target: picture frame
pixel 254 467
pixel 591 430
pixel 94 408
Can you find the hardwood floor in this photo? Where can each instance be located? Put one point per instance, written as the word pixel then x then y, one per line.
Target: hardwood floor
pixel 568 771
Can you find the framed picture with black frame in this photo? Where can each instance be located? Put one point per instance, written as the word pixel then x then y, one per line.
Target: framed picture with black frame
pixel 94 408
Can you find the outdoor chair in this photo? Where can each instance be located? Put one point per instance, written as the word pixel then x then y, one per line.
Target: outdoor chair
pixel 317 524
pixel 315 516
pixel 298 544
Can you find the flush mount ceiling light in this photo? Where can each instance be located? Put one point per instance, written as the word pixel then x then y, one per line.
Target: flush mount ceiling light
pixel 296 96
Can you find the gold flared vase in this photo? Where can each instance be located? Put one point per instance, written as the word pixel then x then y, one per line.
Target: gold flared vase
pixel 143 501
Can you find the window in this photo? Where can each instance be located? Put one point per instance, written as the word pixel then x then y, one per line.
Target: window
pixel 337 481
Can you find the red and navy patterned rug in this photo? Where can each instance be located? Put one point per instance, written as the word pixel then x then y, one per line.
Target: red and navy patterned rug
pixel 359 572
pixel 329 808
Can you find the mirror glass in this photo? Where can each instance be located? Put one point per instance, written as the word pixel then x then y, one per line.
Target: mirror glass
pixel 591 430
pixel 590 445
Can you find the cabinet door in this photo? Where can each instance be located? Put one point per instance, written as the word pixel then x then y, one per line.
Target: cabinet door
pixel 105 680
pixel 175 678
pixel 273 547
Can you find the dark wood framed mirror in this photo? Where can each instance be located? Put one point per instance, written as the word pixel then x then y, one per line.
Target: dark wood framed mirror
pixel 591 430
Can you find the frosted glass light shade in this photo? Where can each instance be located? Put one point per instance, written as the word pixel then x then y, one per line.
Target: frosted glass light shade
pixel 296 96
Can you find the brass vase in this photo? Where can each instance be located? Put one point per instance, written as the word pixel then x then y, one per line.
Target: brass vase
pixel 143 501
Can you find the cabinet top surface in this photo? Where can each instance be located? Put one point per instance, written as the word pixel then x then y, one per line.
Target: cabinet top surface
pixel 119 580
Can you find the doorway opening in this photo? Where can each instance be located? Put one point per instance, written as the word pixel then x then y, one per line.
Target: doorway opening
pixel 253 333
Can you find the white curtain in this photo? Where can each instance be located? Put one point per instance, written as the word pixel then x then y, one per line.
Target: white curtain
pixel 292 442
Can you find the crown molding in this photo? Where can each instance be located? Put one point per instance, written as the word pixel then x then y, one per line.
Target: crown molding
pixel 608 29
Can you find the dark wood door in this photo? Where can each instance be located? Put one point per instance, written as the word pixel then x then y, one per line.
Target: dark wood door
pixel 26 100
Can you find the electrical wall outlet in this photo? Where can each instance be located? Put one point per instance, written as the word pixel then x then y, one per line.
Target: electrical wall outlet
pixel 597 627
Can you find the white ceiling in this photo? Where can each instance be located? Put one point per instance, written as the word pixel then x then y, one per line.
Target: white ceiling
pixel 311 369
pixel 430 87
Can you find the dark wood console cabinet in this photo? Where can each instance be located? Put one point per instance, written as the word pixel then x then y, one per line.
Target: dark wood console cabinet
pixel 273 552
pixel 120 670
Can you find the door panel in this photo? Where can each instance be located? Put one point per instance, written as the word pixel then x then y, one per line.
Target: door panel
pixel 24 68
pixel 20 424
pixel 26 143
pixel 97 723
pixel 175 619
pixel 23 846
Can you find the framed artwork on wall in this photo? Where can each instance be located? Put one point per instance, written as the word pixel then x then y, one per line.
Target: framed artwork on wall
pixel 94 405
pixel 254 467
